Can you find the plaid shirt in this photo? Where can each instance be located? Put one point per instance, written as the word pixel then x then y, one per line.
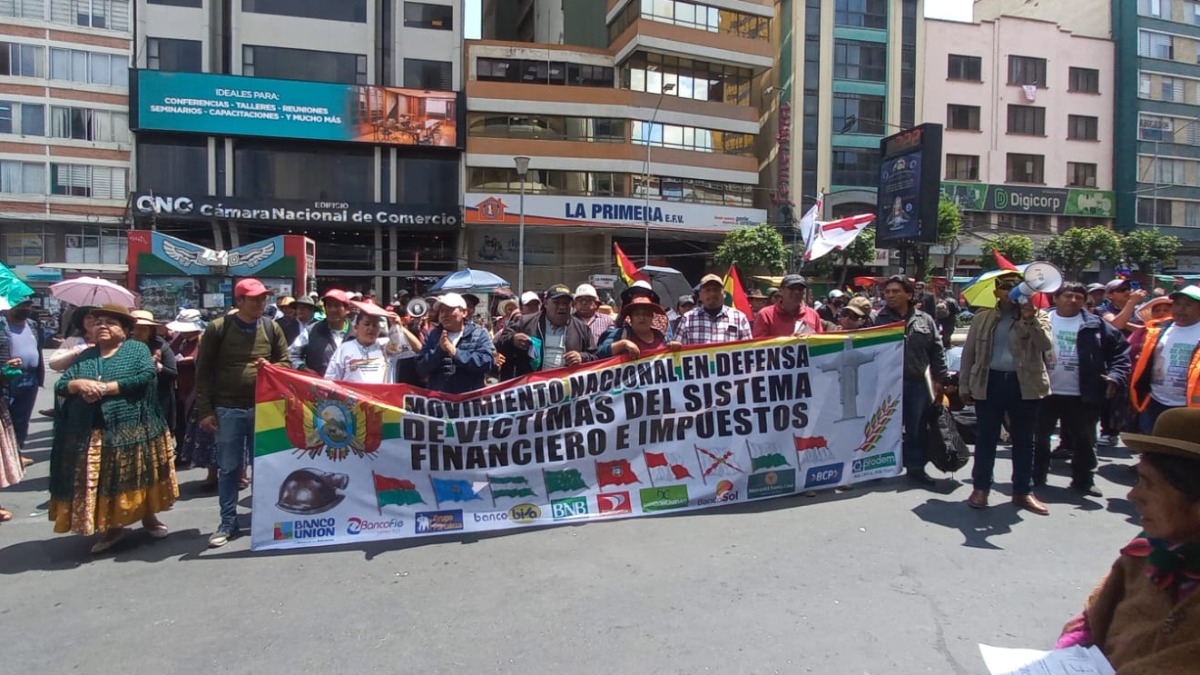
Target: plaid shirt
pixel 698 328
pixel 599 325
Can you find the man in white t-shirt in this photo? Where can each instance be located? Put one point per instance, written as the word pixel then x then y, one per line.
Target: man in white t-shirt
pixel 1167 373
pixel 1089 363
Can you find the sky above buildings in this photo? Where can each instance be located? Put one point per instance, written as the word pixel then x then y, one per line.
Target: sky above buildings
pixel 958 10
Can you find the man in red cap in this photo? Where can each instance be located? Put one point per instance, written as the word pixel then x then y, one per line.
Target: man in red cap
pixel 312 350
pixel 231 351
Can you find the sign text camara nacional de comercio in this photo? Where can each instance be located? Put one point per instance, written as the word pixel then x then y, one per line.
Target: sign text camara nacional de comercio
pixel 699 428
pixel 233 105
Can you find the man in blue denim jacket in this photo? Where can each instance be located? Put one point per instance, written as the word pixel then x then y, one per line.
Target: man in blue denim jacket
pixel 457 355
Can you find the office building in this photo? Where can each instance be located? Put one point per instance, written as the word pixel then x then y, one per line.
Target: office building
pixel 654 137
pixel 64 136
pixel 335 120
pixel 1028 114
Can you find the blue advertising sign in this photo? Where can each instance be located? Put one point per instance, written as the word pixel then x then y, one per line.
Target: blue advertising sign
pixel 206 103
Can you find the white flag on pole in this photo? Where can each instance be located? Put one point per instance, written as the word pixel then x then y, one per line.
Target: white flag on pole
pixel 836 235
pixel 808 224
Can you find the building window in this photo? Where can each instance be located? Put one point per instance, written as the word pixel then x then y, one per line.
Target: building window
pixel 1025 222
pixel 23 9
pixel 1151 8
pixel 1155 128
pixel 1156 45
pixel 692 79
pixel 1082 127
pixel 858 113
pixel 962 167
pixel 422 74
pixel 538 72
pixel 857 60
pixel 692 15
pixel 97 182
pixel 860 13
pixel 962 117
pixel 285 170
pixel 969 68
pixel 691 190
pixel 172 166
pixel 1170 171
pixel 174 55
pixel 22 177
pixel 547 127
pixel 1025 168
pixel 1026 119
pixel 84 124
pixel 1191 13
pixel 1084 80
pixel 1080 174
pixel 303 64
pixel 855 166
pixel 89 67
pixel 110 14
pixel 21 60
pixel 334 10
pixel 93 249
pixel 1027 70
pixel 1151 211
pixel 691 138
pixel 27 119
pixel 425 15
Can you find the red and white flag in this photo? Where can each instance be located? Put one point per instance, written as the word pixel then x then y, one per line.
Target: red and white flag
pixel 836 235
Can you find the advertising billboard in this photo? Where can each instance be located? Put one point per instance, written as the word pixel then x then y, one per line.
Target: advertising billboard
pixel 487 209
pixel 233 105
pixel 910 166
pixel 1025 199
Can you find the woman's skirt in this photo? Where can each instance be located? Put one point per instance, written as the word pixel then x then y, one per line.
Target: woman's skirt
pixel 11 469
pixel 113 489
pixel 199 447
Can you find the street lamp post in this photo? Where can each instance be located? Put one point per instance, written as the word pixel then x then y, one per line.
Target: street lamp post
pixel 646 135
pixel 522 168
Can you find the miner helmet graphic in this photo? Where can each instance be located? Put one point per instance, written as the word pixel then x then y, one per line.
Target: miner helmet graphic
pixel 309 491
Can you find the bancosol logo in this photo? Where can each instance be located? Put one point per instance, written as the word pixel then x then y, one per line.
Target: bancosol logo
pixel 358 525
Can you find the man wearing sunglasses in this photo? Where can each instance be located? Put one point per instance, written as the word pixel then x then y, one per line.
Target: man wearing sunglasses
pixel 1004 373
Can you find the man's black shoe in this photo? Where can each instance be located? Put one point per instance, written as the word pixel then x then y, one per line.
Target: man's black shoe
pixel 919 477
pixel 1089 490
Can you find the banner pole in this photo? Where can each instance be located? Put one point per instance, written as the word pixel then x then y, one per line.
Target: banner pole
pixel 491 489
pixel 703 474
pixel 437 503
pixel 649 470
pixel 378 504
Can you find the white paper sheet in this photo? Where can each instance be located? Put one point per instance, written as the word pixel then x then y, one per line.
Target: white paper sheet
pixel 1070 661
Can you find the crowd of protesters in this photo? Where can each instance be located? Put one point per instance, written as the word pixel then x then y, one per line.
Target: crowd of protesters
pixel 1107 355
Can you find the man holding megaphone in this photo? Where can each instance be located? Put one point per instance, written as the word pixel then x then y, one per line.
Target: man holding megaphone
pixel 1003 372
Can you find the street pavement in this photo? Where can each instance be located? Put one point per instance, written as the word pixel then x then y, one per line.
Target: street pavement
pixel 883 579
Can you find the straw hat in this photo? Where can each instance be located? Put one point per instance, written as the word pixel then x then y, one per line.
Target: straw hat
pixel 1143 312
pixel 1176 432
pixel 118 312
pixel 146 318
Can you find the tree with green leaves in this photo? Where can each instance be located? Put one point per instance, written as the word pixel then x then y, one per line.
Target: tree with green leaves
pixel 1016 247
pixel 1147 248
pixel 755 250
pixel 1076 249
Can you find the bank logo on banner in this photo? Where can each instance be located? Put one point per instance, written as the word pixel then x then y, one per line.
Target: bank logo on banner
pixel 436 522
pixel 665 467
pixel 726 492
pixel 525 513
pixel 614 503
pixel 664 498
pixel 821 476
pixel 571 507
pixel 772 476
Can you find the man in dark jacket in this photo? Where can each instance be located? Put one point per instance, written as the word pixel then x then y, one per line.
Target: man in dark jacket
pixel 558 338
pixel 922 351
pixel 316 345
pixel 458 354
pixel 1091 362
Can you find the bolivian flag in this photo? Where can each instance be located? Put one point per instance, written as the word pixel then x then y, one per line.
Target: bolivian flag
pixel 629 271
pixel 735 295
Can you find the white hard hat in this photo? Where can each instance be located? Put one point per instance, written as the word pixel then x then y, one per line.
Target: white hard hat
pixel 586 291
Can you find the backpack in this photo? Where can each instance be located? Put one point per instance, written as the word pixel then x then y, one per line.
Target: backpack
pixel 943 444
pixel 268 327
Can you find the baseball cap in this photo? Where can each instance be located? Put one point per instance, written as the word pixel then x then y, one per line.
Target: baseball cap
pixel 337 295
pixel 285 301
pixel 452 300
pixel 712 279
pixel 835 293
pixel 558 291
pixel 860 306
pixel 1092 288
pixel 794 280
pixel 251 288
pixel 1192 291
pixel 686 299
pixel 528 297
pixel 586 291
pixel 1116 284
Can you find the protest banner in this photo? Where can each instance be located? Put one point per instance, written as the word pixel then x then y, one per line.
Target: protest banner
pixel 706 426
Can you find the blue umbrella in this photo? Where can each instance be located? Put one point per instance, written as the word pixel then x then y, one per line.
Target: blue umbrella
pixel 468 280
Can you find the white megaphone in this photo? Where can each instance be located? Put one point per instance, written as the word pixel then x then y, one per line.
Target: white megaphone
pixel 1040 277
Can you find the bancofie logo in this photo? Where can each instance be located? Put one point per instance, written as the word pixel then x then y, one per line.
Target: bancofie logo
pixel 358 525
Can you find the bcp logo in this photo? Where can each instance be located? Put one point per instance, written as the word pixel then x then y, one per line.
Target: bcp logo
pixel 359 525
pixel 614 503
pixel 524 513
pixel 817 476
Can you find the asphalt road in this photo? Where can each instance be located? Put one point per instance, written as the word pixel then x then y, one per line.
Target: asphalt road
pixel 883 579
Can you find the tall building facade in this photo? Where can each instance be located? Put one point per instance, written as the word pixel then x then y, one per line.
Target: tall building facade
pixel 1157 171
pixel 336 120
pixel 1028 114
pixel 64 135
pixel 650 142
pixel 847 75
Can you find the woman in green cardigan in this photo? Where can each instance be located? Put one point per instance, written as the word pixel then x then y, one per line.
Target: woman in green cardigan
pixel 111 464
pixel 1145 616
